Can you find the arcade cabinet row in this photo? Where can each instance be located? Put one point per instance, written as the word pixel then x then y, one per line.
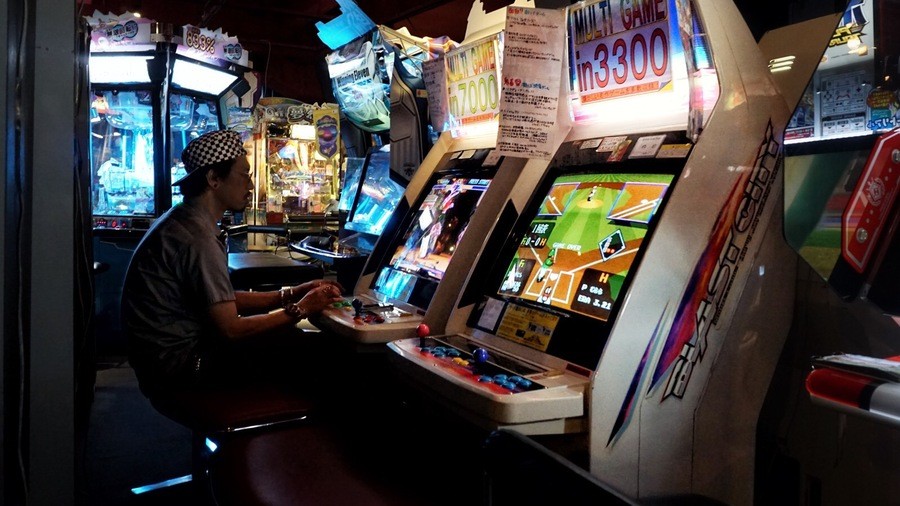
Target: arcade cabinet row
pixel 638 288
pixel 606 291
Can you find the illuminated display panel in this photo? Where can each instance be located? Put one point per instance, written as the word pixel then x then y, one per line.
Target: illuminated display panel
pixel 818 187
pixel 580 246
pixel 190 75
pixel 848 95
pixel 473 87
pixel 425 250
pixel 119 69
pixel 377 198
pixel 632 67
pixel 351 183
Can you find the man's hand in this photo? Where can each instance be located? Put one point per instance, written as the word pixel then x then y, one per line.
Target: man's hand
pixel 301 291
pixel 316 300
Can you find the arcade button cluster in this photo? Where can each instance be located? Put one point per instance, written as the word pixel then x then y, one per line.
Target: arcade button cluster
pixel 476 366
pixel 360 313
pixel 102 222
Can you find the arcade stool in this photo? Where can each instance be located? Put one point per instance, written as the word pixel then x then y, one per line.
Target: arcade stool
pixel 267 271
pixel 213 414
pixel 313 464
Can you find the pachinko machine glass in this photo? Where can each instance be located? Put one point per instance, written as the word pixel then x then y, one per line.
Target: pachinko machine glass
pixel 189 118
pixel 122 150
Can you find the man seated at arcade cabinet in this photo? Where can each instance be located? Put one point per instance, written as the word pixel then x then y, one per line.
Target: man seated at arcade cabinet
pixel 187 327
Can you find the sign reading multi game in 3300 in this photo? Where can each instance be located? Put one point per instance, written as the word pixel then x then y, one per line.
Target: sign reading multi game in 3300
pixel 473 93
pixel 620 48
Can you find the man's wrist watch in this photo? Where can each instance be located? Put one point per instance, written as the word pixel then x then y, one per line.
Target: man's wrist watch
pixel 295 311
pixel 287 296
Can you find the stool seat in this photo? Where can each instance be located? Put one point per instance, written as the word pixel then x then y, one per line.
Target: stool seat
pixel 267 271
pixel 233 409
pixel 306 465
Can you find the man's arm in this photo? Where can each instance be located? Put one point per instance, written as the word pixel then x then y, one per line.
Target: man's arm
pixel 259 302
pixel 234 327
pixel 247 303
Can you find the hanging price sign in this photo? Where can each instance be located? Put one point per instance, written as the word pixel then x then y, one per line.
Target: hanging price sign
pixel 473 91
pixel 620 48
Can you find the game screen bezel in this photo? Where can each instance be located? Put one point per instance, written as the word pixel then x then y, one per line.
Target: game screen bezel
pixel 575 337
pixel 416 286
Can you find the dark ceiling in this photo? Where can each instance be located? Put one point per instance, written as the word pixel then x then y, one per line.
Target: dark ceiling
pixel 282 37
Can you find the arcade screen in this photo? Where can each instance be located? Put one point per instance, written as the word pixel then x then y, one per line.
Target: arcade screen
pixel 438 226
pixel 578 249
pixel 817 189
pixel 351 183
pixel 377 198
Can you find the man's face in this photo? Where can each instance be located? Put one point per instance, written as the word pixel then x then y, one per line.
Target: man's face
pixel 236 190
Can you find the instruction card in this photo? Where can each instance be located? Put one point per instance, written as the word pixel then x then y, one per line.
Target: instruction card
pixel 533 53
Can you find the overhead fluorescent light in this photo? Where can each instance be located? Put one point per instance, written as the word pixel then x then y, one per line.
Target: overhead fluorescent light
pixel 781 64
pixel 119 69
pixel 189 75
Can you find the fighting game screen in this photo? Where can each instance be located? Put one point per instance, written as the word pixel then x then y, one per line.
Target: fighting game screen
pixel 351 183
pixel 428 244
pixel 578 249
pixel 378 197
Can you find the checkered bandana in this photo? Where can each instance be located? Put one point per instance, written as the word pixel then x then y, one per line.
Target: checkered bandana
pixel 211 148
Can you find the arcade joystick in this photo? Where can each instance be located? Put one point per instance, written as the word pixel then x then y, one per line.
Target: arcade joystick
pixel 357 307
pixel 480 356
pixel 422 332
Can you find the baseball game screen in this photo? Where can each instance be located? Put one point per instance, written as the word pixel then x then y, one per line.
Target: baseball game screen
pixel 580 246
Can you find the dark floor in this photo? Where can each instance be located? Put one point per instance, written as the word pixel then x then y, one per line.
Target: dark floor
pixel 398 448
pixel 129 445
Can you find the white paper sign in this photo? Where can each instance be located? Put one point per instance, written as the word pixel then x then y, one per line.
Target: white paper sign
pixel 436 85
pixel 533 54
pixel 646 147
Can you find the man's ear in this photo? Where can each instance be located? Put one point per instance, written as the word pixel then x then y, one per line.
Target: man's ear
pixel 212 179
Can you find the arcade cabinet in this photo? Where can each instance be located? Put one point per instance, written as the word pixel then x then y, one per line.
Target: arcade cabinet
pixel 388 167
pixel 151 94
pixel 374 197
pixel 638 306
pixel 833 408
pixel 458 191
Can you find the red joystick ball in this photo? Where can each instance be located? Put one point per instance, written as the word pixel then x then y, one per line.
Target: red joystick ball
pixel 422 330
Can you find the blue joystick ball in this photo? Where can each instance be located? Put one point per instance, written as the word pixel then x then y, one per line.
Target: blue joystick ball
pixel 480 355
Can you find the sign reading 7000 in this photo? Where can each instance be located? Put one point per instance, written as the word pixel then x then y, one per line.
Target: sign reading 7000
pixel 620 48
pixel 473 94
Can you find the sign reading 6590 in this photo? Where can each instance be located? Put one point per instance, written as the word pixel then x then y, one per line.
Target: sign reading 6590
pixel 195 39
